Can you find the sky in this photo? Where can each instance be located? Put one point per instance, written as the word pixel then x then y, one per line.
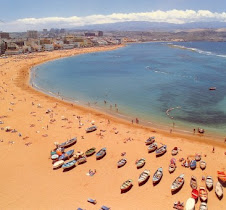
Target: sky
pixel 21 15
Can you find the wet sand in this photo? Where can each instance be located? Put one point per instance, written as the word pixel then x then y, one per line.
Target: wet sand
pixel 28 180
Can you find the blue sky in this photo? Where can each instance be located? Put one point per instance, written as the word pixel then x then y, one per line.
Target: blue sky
pixel 22 15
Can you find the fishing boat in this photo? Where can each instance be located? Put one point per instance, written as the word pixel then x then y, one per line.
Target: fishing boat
pixel 201 130
pixel 221 176
pixel 143 177
pixel 58 164
pixel 152 147
pixel 101 153
pixel 209 182
pixel 105 208
pixel 203 206
pixel 81 160
pixel 91 129
pixel 203 194
pixel 190 204
pixel 78 155
pixel 198 157
pixel 69 164
pixel 195 194
pixel 219 190
pixel 178 183
pixel 202 164
pixel 66 155
pixel 150 140
pixel 161 150
pixel 90 151
pixel 174 151
pixel 54 157
pixel 157 176
pixel 178 205
pixel 121 162
pixel 67 143
pixel 140 163
pixel 193 164
pixel 172 165
pixel 193 182
pixel 126 185
pixel 212 88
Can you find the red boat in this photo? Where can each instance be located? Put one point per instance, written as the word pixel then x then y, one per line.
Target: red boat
pixel 221 176
pixel 195 194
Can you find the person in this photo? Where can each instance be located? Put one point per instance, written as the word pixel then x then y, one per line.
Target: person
pixel 213 150
pixel 194 130
pixel 170 130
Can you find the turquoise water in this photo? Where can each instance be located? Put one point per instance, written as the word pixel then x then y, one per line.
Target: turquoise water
pixel 145 80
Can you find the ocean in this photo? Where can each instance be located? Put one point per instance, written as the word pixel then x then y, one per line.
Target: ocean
pixel 165 85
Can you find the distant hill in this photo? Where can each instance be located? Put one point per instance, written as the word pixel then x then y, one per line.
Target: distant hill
pixel 152 26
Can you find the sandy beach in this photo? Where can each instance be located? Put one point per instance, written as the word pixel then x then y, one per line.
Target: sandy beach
pixel 27 180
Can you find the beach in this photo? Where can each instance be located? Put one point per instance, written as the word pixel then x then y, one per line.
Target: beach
pixel 27 178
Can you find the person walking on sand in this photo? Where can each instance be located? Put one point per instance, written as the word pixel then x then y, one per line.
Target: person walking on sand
pixel 213 150
pixel 194 130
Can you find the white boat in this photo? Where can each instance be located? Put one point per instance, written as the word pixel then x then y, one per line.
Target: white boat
pixel 202 164
pixel 58 164
pixel 121 162
pixel 157 175
pixel 190 204
pixel 178 183
pixel 203 206
pixel 143 176
pixel 140 163
pixel 55 156
pixel 209 182
pixel 219 190
pixel 126 185
pixel 193 182
pixel 203 194
pixel 152 147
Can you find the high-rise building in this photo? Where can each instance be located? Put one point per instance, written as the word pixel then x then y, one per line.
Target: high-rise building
pixel 90 34
pixel 45 31
pixel 32 34
pixel 4 35
pixel 100 33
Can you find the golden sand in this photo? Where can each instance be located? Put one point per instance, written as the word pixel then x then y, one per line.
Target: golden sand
pixel 27 180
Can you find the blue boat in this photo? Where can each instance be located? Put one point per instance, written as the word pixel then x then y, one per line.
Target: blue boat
pixel 193 164
pixel 66 155
pixel 101 153
pixel 67 143
pixel 69 164
pixel 161 150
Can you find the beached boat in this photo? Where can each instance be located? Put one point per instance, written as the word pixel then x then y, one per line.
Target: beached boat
pixel 212 88
pixel 203 206
pixel 67 143
pixel 69 164
pixel 203 194
pixel 193 164
pixel 150 140
pixel 90 151
pixel 58 164
pixel 201 130
pixel 174 151
pixel 121 162
pixel 221 176
pixel 105 208
pixel 101 153
pixel 219 190
pixel 178 205
pixel 91 129
pixel 202 164
pixel 152 147
pixel 140 163
pixel 143 177
pixel 209 182
pixel 78 155
pixel 126 185
pixel 93 201
pixel 198 157
pixel 172 165
pixel 66 155
pixel 178 183
pixel 193 182
pixel 161 150
pixel 194 193
pixel 157 175
pixel 190 204
pixel 54 157
pixel 81 160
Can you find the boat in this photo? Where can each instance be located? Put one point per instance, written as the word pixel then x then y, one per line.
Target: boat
pixel 90 151
pixel 93 201
pixel 81 160
pixel 219 190
pixel 203 206
pixel 157 175
pixel 190 204
pixel 150 140
pixel 174 151
pixel 69 164
pixel 172 166
pixel 121 162
pixel 203 194
pixel 201 130
pixel 58 164
pixel 195 194
pixel 143 177
pixel 212 88
pixel 202 164
pixel 209 182
pixel 101 153
pixel 178 183
pixel 198 157
pixel 66 155
pixel 178 205
pixel 126 185
pixel 54 157
pixel 91 129
pixel 105 208
pixel 193 164
pixel 140 163
pixel 67 143
pixel 152 147
pixel 161 150
pixel 221 176
pixel 193 182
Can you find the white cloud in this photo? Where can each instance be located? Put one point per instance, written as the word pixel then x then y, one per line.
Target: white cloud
pixel 171 16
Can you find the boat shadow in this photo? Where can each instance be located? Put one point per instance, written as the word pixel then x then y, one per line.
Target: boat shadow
pixel 222 183
pixel 128 189
pixel 99 158
pixel 156 183
pixel 220 198
pixel 176 191
pixel 142 183
pixel 68 169
pixel 160 155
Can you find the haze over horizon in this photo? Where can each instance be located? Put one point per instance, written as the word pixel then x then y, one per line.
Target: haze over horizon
pixel 27 15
